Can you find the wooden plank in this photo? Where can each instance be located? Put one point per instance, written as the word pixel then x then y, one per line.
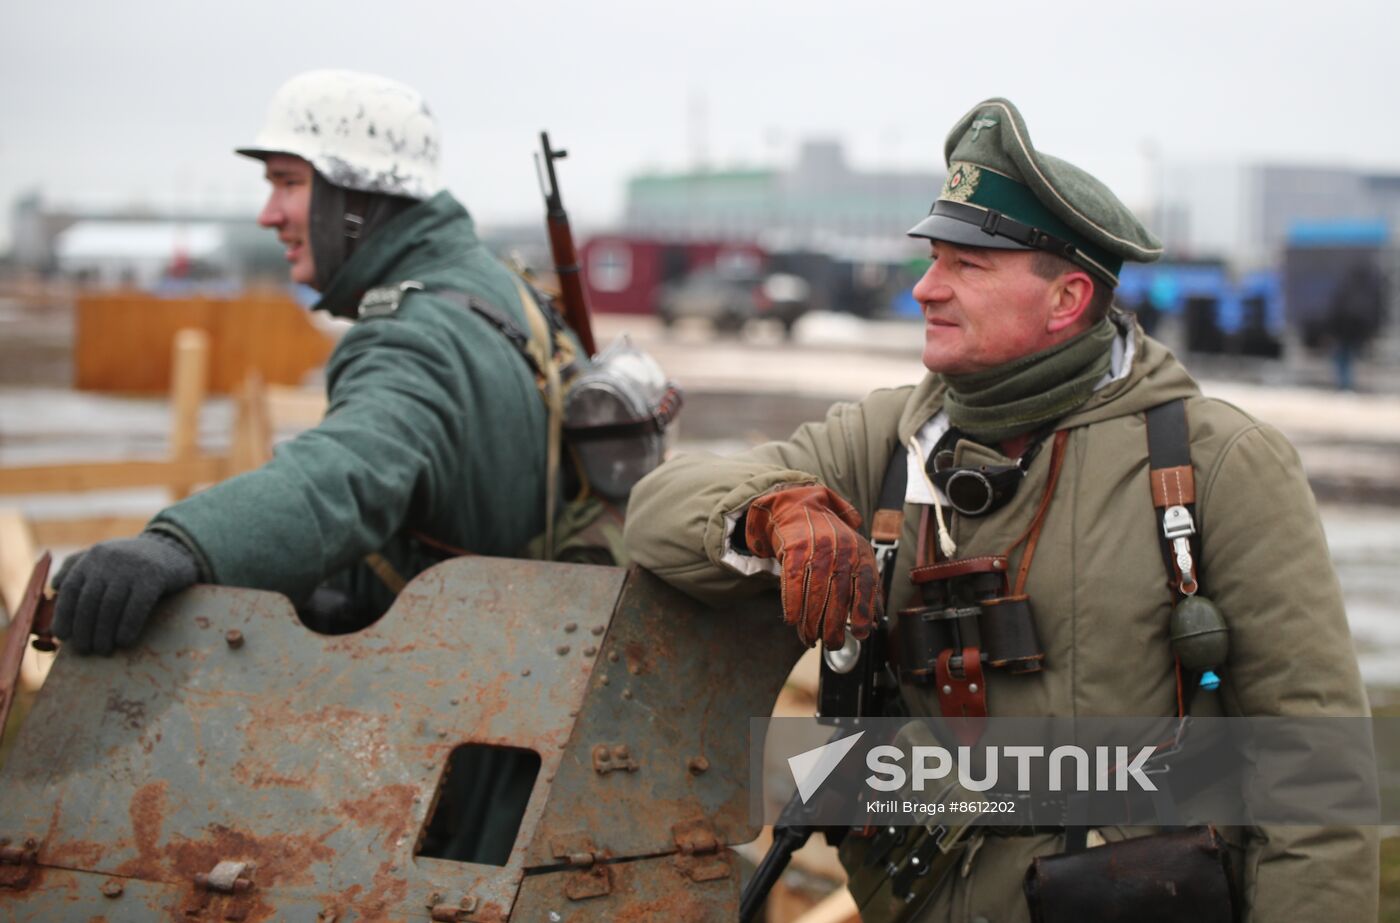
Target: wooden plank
pixel 267 333
pixel 17 559
pixel 81 532
pixel 123 340
pixel 76 478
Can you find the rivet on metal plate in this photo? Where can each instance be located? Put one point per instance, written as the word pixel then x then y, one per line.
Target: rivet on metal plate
pixel 613 758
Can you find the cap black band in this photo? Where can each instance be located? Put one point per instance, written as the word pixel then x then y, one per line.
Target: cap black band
pixel 995 224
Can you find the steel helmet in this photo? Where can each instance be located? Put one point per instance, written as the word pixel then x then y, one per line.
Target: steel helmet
pixel 360 131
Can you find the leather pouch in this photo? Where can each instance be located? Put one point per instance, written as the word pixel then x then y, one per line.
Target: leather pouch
pixel 1173 876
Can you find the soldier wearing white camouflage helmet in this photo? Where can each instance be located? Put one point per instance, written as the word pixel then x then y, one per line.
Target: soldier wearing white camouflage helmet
pixel 366 147
pixel 435 438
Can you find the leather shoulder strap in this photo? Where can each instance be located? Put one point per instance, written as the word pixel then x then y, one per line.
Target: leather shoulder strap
pixel 888 523
pixel 1174 495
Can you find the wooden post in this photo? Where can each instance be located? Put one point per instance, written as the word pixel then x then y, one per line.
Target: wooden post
pixel 187 386
pixel 252 428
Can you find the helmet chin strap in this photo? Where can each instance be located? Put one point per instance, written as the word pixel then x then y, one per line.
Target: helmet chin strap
pixel 340 220
pixel 327 229
pixel 356 206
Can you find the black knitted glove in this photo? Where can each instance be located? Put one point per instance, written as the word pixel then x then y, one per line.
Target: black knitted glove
pixel 108 591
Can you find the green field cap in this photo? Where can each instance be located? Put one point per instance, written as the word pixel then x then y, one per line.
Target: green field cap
pixel 1003 194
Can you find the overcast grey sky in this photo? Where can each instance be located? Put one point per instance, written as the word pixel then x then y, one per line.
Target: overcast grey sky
pixel 107 103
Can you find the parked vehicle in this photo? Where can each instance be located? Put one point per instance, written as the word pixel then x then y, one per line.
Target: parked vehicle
pixel 729 301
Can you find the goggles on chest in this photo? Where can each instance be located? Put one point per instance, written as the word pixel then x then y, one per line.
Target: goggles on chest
pixel 976 490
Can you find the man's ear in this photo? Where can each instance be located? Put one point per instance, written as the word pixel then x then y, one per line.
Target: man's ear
pixel 1070 296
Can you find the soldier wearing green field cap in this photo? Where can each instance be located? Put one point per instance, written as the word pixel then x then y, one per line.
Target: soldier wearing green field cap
pixel 1022 474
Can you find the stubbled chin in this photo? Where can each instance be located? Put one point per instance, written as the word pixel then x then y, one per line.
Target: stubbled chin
pixel 940 334
pixel 939 348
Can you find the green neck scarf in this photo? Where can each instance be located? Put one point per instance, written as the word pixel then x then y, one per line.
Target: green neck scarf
pixel 1020 396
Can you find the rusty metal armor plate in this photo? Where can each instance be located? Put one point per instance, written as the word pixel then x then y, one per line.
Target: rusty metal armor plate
pixel 236 766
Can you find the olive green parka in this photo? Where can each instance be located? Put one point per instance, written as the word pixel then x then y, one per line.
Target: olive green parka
pixel 1099 591
pixel 434 423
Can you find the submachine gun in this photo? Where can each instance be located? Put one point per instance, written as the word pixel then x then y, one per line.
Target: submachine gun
pixel 855 682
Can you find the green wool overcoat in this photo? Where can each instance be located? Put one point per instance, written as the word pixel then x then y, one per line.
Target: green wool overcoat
pixel 1099 591
pixel 434 424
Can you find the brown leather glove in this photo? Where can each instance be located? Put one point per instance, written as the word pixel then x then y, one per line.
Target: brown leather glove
pixel 829 577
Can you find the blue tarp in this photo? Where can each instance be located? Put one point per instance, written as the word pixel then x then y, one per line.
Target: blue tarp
pixel 1170 284
pixel 1340 232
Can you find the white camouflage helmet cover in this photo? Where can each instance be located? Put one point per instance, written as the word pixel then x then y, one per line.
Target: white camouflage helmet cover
pixel 360 131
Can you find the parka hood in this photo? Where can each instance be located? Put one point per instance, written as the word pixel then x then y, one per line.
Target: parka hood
pixel 424 243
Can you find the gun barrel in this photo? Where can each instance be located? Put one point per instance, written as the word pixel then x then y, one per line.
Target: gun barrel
pixel 786 841
pixel 561 246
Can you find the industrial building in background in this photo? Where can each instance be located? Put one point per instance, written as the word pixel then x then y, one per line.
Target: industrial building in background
pixel 1255 254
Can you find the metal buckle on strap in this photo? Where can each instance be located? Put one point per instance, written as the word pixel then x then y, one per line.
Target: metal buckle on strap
pixel 1178 527
pixel 1177 523
pixel 884 554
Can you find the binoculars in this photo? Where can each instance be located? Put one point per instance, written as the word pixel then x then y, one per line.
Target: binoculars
pixel 974 613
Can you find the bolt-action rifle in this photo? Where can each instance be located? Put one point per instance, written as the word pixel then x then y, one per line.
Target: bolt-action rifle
pixel 561 245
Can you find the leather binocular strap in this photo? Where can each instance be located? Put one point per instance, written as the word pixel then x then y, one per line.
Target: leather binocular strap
pixel 986 564
pixel 1032 534
pixel 962 692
